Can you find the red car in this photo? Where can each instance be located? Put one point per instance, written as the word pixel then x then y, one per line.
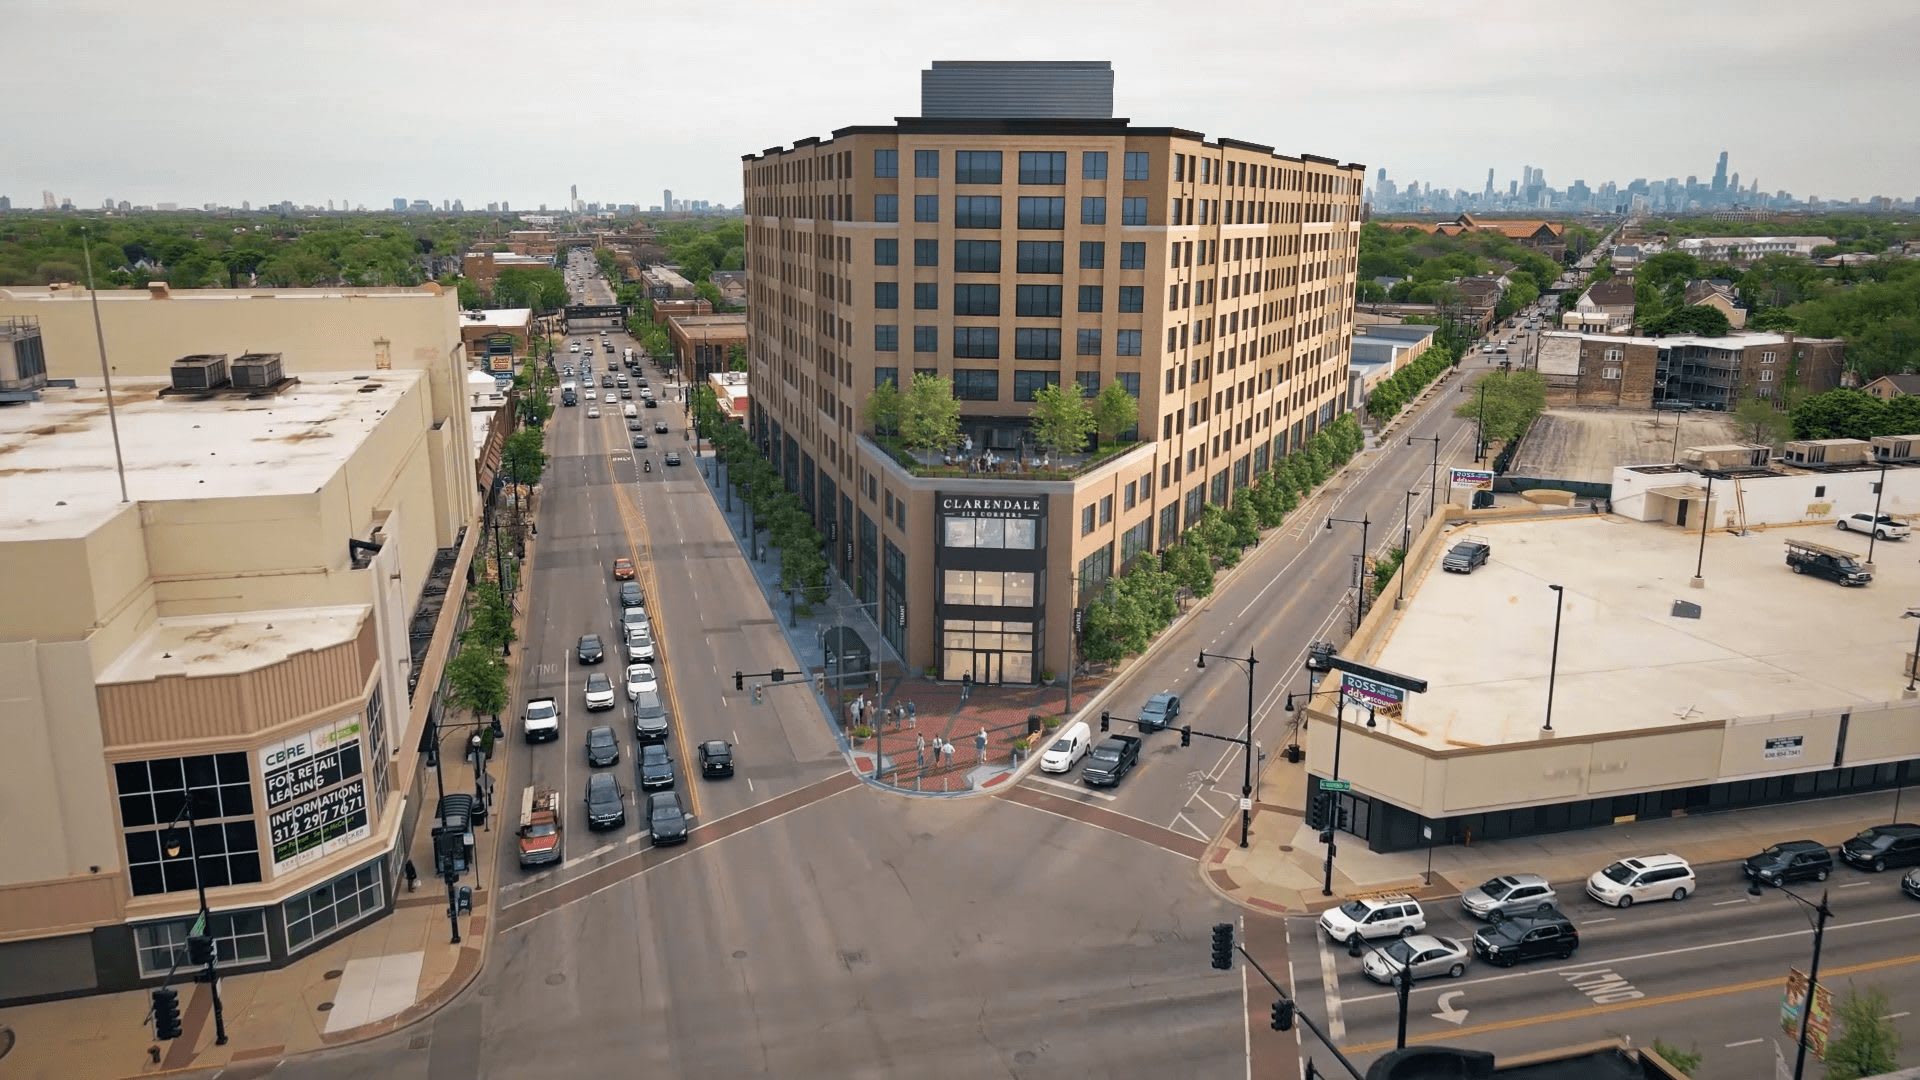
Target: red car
pixel 623 569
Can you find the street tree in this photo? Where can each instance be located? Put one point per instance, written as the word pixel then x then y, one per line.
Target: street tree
pixel 1867 1043
pixel 1061 420
pixel 477 680
pixel 883 408
pixel 930 416
pixel 1761 421
pixel 1115 412
pixel 490 620
pixel 1190 566
pixel 1840 414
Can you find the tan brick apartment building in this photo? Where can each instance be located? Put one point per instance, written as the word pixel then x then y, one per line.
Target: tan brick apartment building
pixel 1638 372
pixel 1014 235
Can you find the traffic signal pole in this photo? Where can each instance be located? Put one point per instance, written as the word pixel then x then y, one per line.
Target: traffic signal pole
pixel 1286 1009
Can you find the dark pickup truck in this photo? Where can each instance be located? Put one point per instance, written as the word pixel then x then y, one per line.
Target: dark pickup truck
pixel 1111 760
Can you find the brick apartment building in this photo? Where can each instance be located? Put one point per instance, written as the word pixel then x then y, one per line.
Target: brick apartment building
pixel 1707 372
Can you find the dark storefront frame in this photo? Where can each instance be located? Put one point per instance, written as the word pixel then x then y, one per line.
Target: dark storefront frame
pixel 990 665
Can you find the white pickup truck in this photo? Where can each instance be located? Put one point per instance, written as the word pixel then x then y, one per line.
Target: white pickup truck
pixel 541 722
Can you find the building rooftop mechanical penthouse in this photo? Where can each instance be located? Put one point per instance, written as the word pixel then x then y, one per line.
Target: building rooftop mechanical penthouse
pixel 1014 235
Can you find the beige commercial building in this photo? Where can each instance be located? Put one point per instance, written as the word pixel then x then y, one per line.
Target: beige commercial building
pixel 1211 278
pixel 254 628
pixel 1626 694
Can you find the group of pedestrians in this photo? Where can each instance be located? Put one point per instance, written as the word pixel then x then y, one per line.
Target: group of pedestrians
pixel 859 710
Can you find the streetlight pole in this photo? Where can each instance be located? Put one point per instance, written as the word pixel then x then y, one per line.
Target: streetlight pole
pixel 1406 542
pixel 1913 668
pixel 1365 523
pixel 1553 664
pixel 1480 427
pixel 1706 514
pixel 205 919
pixel 1822 913
pixel 1879 493
pixel 1246 758
pixel 1331 823
pixel 1433 477
pixel 1402 982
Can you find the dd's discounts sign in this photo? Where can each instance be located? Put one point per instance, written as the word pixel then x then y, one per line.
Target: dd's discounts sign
pixel 316 795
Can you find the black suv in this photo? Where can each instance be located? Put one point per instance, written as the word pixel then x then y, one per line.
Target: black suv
pixel 1529 936
pixel 1883 846
pixel 1794 860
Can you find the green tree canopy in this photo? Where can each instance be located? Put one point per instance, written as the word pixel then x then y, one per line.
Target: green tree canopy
pixel 477 680
pixel 884 408
pixel 1867 1043
pixel 1061 420
pixel 1115 412
pixel 930 416
pixel 1702 319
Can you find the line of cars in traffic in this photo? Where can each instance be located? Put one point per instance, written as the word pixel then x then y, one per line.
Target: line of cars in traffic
pixel 1109 760
pixel 1524 919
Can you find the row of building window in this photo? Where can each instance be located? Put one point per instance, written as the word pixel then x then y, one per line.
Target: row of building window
pixel 1026 383
pixel 1040 167
pixel 1015 534
pixel 1032 256
pixel 988 588
pixel 1030 301
pixel 240 937
pixel 1035 211
pixel 983 342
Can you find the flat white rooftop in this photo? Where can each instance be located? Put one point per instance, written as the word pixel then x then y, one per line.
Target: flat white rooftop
pixel 69 294
pixel 200 645
pixel 516 318
pixel 1768 641
pixel 57 474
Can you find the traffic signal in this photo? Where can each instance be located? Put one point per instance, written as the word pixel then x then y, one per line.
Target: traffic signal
pixel 777 674
pixel 820 681
pixel 758 693
pixel 1283 1015
pixel 1105 719
pixel 1222 946
pixel 166 1013
pixel 1186 735
pixel 739 680
pixel 199 949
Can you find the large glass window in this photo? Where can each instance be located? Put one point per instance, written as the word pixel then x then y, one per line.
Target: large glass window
pixel 926 253
pixel 884 375
pixel 1043 167
pixel 1036 343
pixel 1087 343
pixel 1126 343
pixel 976 384
pixel 976 211
pixel 976 299
pixel 886 163
pixel 1093 255
pixel 1129 381
pixel 926 339
pixel 1095 569
pixel 1133 255
pixel 1039 256
pixel 347 899
pixel 153 792
pixel 1133 298
pixel 1093 165
pixel 886 251
pixel 1137 165
pixel 1017 534
pixel 976 256
pixel 977 342
pixel 926 296
pixel 976 166
pixel 1133 211
pixel 886 294
pixel 1093 210
pixel 926 163
pixel 1028 383
pixel 1136 540
pixel 886 338
pixel 926 208
pixel 1043 212
pixel 239 937
pixel 1037 301
pixel 886 208
pixel 987 588
pixel 1092 298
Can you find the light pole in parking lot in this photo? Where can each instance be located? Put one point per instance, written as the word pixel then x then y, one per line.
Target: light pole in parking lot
pixel 1553 663
pixel 1879 493
pixel 1822 913
pixel 1246 756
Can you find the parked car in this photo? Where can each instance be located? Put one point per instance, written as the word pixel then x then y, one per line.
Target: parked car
pixel 656 768
pixel 666 820
pixel 1397 915
pixel 1422 955
pixel 590 651
pixel 1528 936
pixel 1649 877
pixel 1110 761
pixel 1883 527
pixel 1805 557
pixel 1508 894
pixel 1883 846
pixel 603 746
pixel 1911 884
pixel 716 758
pixel 1466 556
pixel 1068 748
pixel 606 803
pixel 1160 711
pixel 599 692
pixel 1793 860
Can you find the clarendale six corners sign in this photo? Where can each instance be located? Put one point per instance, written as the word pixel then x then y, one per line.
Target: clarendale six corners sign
pixel 993 506
pixel 316 793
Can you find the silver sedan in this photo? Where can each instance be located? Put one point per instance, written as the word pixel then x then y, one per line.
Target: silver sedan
pixel 1424 954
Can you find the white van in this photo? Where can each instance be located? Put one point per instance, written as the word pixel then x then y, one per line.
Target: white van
pixel 630 411
pixel 1068 747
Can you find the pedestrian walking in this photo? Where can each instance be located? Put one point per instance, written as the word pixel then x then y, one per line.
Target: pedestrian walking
pixel 413 876
pixel 980 743
pixel 946 753
pixel 913 715
pixel 920 750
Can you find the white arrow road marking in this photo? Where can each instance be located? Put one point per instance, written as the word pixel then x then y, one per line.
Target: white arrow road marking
pixel 1447 1012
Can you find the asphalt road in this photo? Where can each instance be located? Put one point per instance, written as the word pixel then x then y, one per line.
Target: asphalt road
pixel 1705 973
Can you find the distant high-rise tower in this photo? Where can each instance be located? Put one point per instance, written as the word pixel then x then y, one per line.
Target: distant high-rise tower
pixel 47 201
pixel 1733 184
pixel 573 197
pixel 666 200
pixel 1720 174
pixel 1489 191
pixel 399 206
pixel 6 203
pixel 1381 176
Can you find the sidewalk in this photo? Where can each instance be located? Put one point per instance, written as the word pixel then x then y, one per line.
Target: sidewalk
pixel 1282 870
pixel 374 980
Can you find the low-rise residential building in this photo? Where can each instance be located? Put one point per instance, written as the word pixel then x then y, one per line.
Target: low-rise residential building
pixel 1888 387
pixel 667 310
pixel 1606 308
pixel 731 394
pixel 1481 297
pixel 702 344
pixel 1545 236
pixel 1744 249
pixel 1719 295
pixel 664 283
pixel 483 267
pixel 732 285
pixel 1705 372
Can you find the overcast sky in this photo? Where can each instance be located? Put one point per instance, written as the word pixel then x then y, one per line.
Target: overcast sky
pixel 193 101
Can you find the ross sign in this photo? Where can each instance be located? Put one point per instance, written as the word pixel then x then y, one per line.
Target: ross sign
pixel 1794 999
pixel 316 793
pixel 1336 785
pixel 994 506
pixel 1473 479
pixel 1385 700
pixel 1784 746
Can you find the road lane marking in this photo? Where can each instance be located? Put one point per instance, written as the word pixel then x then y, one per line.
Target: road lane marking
pixel 1330 990
pixel 1897 1016
pixel 1735 900
pixel 1744 1042
pixel 1197 830
pixel 1771 983
pixel 1113 821
pixel 1076 789
pixel 1855 884
pixel 1596 922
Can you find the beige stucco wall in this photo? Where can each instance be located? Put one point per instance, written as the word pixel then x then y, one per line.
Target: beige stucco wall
pixel 53 779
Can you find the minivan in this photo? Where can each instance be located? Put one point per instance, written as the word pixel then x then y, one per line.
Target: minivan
pixel 1069 746
pixel 1649 877
pixel 1883 846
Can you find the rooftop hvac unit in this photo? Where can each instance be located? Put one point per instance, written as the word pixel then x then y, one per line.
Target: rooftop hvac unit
pixel 1828 452
pixel 257 371
pixel 1729 456
pixel 1890 449
pixel 204 372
